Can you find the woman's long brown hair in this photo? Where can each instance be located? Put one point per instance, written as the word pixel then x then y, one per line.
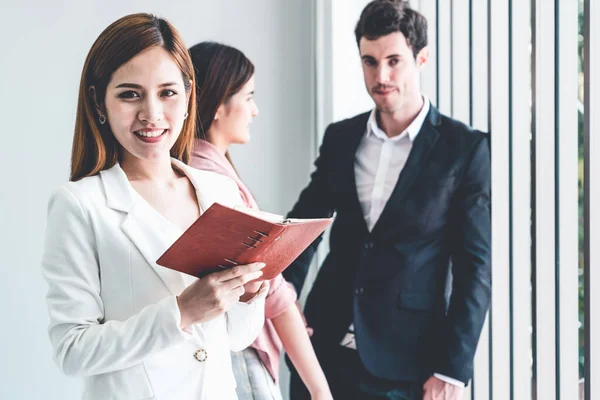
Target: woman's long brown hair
pixel 94 145
pixel 221 71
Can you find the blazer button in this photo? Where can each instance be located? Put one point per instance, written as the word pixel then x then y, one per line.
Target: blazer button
pixel 359 291
pixel 201 355
pixel 368 245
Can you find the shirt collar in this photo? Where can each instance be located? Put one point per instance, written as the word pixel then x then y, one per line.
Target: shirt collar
pixel 413 129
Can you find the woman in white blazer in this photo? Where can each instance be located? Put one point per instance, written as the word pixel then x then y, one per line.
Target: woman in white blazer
pixel 131 328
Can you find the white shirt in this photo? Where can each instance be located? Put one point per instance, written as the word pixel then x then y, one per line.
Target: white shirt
pixel 378 162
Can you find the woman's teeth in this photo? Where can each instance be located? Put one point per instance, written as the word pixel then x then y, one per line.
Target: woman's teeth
pixel 150 134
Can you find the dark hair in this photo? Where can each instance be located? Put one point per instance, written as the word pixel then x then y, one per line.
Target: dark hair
pixel 383 17
pixel 94 146
pixel 221 71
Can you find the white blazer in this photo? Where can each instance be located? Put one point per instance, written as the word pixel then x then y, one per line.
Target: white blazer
pixel 114 317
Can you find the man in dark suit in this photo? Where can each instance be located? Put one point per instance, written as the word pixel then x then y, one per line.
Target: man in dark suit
pixel 411 190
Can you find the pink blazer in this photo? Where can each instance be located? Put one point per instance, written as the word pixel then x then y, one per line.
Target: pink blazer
pixel 282 294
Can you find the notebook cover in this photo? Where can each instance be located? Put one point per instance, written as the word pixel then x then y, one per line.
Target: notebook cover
pixel 223 237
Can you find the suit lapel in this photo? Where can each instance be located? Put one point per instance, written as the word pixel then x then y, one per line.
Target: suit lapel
pixel 358 132
pixel 150 232
pixel 211 187
pixel 424 142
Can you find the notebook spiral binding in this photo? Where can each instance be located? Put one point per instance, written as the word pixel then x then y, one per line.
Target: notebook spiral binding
pixel 249 245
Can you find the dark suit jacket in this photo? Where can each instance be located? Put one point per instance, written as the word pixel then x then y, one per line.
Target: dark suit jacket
pixel 391 281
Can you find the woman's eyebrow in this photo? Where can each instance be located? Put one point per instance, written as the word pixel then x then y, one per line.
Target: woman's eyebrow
pixel 136 86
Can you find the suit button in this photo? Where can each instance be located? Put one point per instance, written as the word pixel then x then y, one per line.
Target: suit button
pixel 359 291
pixel 368 245
pixel 201 355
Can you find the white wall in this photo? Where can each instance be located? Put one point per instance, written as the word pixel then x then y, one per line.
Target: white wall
pixel 350 97
pixel 44 47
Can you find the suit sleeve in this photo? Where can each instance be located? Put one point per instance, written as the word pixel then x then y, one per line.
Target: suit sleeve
pixel 471 267
pixel 83 343
pixel 315 201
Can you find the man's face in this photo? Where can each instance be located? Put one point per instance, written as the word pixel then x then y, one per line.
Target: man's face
pixel 391 71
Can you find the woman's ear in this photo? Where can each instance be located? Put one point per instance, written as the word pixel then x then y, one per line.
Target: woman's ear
pixel 92 94
pixel 188 95
pixel 219 112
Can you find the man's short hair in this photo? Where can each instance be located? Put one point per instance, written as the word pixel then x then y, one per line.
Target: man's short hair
pixel 383 17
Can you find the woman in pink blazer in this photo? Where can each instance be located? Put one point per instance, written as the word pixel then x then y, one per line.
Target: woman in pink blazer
pixel 225 108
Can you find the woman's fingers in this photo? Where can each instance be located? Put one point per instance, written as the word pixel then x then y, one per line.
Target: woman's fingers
pixel 237 271
pixel 264 288
pixel 241 280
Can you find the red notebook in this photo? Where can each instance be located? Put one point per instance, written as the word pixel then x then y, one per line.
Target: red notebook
pixel 224 237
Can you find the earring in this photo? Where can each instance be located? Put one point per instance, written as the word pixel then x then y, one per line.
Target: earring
pixel 186 115
pixel 102 119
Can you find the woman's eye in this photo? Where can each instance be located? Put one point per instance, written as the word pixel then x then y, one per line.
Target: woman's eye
pixel 130 94
pixel 168 93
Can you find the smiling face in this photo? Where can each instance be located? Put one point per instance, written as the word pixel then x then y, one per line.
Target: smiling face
pixel 145 105
pixel 233 118
pixel 391 71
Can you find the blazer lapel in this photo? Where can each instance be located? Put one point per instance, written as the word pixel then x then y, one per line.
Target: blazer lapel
pixel 211 187
pixel 152 237
pixel 418 156
pixel 358 132
pixel 150 232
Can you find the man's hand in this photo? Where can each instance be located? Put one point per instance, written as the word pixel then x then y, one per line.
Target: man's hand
pixel 437 389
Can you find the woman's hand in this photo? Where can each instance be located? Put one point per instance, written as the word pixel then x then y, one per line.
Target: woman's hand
pixel 253 289
pixel 214 294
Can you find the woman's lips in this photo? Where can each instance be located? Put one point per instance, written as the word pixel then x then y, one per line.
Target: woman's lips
pixel 150 135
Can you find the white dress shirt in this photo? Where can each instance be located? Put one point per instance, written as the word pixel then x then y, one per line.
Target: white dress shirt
pixel 378 162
